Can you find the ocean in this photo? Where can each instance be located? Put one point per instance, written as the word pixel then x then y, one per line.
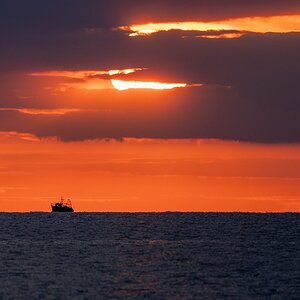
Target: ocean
pixel 149 255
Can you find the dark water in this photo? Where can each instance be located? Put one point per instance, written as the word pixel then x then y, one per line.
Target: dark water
pixel 157 256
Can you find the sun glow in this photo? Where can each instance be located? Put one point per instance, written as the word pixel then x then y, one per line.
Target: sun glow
pixel 88 84
pixel 122 85
pixel 71 74
pixel 280 24
pixel 124 71
pixel 86 73
pixel 93 80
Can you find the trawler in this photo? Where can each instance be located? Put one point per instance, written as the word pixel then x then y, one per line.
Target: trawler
pixel 62 206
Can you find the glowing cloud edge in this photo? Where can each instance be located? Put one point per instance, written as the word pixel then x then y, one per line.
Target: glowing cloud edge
pixel 279 24
pixel 123 85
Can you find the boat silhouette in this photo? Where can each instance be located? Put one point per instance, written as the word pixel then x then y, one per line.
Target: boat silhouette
pixel 62 206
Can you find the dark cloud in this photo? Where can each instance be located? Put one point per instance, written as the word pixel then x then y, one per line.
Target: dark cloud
pixel 251 83
pixel 38 14
pixel 190 113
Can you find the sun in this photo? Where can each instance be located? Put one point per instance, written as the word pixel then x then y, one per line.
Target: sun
pixel 123 85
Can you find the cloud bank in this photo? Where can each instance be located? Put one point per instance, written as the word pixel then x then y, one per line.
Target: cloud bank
pixel 240 88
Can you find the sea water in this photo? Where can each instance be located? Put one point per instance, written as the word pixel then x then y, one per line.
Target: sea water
pixel 149 255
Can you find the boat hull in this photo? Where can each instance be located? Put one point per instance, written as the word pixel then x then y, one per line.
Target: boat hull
pixel 62 209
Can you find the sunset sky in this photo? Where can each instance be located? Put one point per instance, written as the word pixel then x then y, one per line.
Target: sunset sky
pixel 127 105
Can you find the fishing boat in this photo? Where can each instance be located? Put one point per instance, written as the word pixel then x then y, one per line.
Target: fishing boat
pixel 62 206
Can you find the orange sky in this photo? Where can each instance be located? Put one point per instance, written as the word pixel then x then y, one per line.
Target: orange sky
pixel 148 175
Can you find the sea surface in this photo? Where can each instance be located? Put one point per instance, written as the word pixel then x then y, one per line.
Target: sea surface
pixel 149 255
